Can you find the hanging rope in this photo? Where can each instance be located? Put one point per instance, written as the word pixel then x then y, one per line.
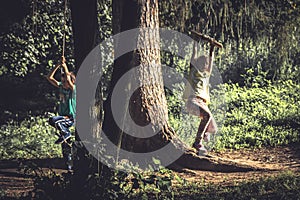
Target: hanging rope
pixel 64 33
pixel 64 29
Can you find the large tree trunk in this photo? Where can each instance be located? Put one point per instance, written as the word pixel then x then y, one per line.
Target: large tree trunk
pixel 85 33
pixel 85 26
pixel 147 104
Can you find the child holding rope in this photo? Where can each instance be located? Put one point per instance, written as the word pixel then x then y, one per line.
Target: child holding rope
pixel 67 103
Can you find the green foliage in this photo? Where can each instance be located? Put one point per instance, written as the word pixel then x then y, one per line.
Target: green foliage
pixel 283 186
pixel 30 48
pixel 32 138
pixel 257 35
pixel 164 184
pixel 254 33
pixel 157 185
pixel 260 116
pixel 35 43
pixel 247 117
pixel 109 184
pixel 249 60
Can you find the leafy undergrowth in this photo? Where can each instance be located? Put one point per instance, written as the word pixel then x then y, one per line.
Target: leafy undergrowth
pixel 248 117
pixel 164 184
pixel 283 186
pixel 31 138
pixel 260 116
pixel 252 117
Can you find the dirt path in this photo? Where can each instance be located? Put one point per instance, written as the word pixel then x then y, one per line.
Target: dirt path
pixel 14 183
pixel 276 160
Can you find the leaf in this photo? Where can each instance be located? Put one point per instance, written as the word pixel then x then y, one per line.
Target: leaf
pixel 156 161
pixel 50 63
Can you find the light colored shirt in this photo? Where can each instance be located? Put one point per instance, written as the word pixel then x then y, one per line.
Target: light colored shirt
pixel 198 79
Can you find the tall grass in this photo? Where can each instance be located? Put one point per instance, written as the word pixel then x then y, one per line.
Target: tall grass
pixel 248 116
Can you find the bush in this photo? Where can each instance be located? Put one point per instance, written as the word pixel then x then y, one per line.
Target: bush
pixel 248 117
pixel 109 184
pixel 260 116
pixel 282 186
pixel 32 138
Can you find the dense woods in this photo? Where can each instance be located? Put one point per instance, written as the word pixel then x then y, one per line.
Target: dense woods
pixel 256 105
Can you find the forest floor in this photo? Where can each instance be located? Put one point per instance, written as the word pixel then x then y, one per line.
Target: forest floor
pixel 275 160
pixel 14 183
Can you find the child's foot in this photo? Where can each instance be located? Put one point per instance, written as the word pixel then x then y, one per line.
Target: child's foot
pixel 63 138
pixel 200 149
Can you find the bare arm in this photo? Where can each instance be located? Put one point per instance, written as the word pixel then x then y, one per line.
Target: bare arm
pixel 195 50
pixel 211 58
pixel 67 72
pixel 50 76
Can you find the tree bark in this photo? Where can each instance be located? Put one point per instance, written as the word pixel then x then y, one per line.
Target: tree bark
pixel 85 26
pixel 85 32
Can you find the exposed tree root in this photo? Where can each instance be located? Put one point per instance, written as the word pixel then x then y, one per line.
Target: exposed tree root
pixel 190 160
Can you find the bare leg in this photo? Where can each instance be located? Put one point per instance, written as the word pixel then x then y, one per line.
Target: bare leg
pixel 202 127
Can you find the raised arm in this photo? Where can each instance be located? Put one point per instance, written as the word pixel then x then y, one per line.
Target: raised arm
pixel 213 43
pixel 50 76
pixel 211 58
pixel 68 74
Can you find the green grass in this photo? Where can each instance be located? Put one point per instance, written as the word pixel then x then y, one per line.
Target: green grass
pixel 283 186
pixel 31 138
pixel 247 117
pixel 260 116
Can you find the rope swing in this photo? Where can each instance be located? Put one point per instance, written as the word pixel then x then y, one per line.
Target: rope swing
pixel 64 34
pixel 64 29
